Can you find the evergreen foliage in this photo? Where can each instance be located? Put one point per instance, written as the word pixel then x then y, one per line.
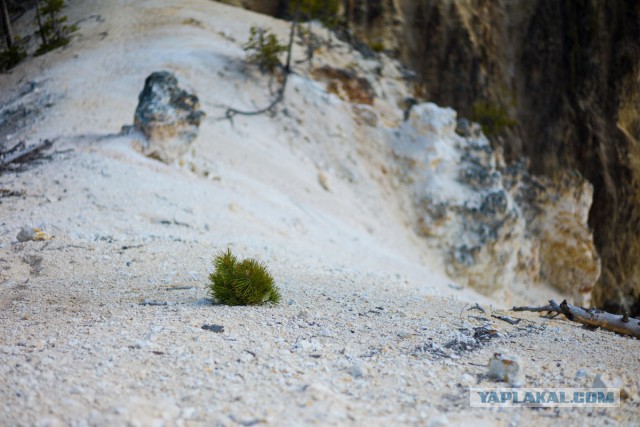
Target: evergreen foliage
pixel 493 118
pixel 10 57
pixel 245 282
pixel 326 11
pixel 53 32
pixel 263 49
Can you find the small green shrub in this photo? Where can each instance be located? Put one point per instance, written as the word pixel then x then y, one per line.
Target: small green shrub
pixel 263 49
pixel 492 117
pixel 377 47
pixel 9 58
pixel 53 31
pixel 245 282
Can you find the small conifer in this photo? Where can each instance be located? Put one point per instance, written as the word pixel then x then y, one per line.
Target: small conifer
pixel 245 282
pixel 263 49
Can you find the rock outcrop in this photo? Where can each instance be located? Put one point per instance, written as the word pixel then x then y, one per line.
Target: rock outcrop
pixel 493 225
pixel 556 212
pixel 346 84
pixel 459 200
pixel 168 116
pixel 565 73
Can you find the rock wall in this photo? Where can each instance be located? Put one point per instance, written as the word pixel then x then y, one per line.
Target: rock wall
pixel 556 212
pixel 567 72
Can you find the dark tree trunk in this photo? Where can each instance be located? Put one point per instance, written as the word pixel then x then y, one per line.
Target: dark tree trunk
pixel 39 17
pixel 6 20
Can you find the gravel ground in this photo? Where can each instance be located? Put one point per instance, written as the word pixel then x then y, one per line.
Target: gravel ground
pixel 84 342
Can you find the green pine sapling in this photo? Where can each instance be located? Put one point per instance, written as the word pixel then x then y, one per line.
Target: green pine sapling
pixel 245 282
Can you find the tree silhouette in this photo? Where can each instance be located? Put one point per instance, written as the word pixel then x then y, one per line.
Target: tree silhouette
pixel 6 21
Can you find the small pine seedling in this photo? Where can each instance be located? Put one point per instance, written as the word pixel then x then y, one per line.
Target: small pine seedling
pixel 263 49
pixel 242 283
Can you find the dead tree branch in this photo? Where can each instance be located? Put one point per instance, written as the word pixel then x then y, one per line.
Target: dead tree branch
pixel 622 324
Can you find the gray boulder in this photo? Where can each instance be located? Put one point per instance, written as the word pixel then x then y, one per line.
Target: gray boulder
pixel 168 116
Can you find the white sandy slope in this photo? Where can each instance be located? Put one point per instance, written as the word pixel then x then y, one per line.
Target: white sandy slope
pixel 362 296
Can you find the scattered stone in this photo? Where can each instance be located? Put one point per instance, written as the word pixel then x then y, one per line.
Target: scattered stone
pixel 468 129
pixel 402 334
pixel 505 367
pixel 439 421
pixel 34 261
pixel 149 302
pixel 168 116
pixel 323 180
pixel 607 380
pixel 28 233
pixel 356 370
pixel 582 373
pixel 213 328
pixel 324 332
pixel 467 379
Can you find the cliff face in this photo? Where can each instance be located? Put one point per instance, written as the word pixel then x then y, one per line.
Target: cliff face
pixel 557 82
pixel 568 73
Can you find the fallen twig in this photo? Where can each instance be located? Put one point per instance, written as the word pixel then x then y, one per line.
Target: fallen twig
pixel 476 307
pixel 507 319
pixel 622 324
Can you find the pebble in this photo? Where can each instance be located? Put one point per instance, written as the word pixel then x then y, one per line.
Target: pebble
pixel 213 328
pixel 582 373
pixel 505 367
pixel 402 334
pixel 356 370
pixel 28 233
pixel 606 380
pixel 324 332
pixel 439 421
pixel 467 380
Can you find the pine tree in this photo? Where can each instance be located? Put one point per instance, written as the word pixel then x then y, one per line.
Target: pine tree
pixel 6 21
pixel 53 31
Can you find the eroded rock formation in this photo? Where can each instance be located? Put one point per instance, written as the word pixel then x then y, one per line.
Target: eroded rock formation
pixel 493 228
pixel 459 198
pixel 168 116
pixel 567 72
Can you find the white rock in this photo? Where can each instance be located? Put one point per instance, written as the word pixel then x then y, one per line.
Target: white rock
pixel 26 234
pixel 357 370
pixel 439 421
pixel 582 373
pixel 505 367
pixel 606 380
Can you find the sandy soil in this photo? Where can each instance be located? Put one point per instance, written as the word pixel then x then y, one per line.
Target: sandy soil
pixel 370 331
